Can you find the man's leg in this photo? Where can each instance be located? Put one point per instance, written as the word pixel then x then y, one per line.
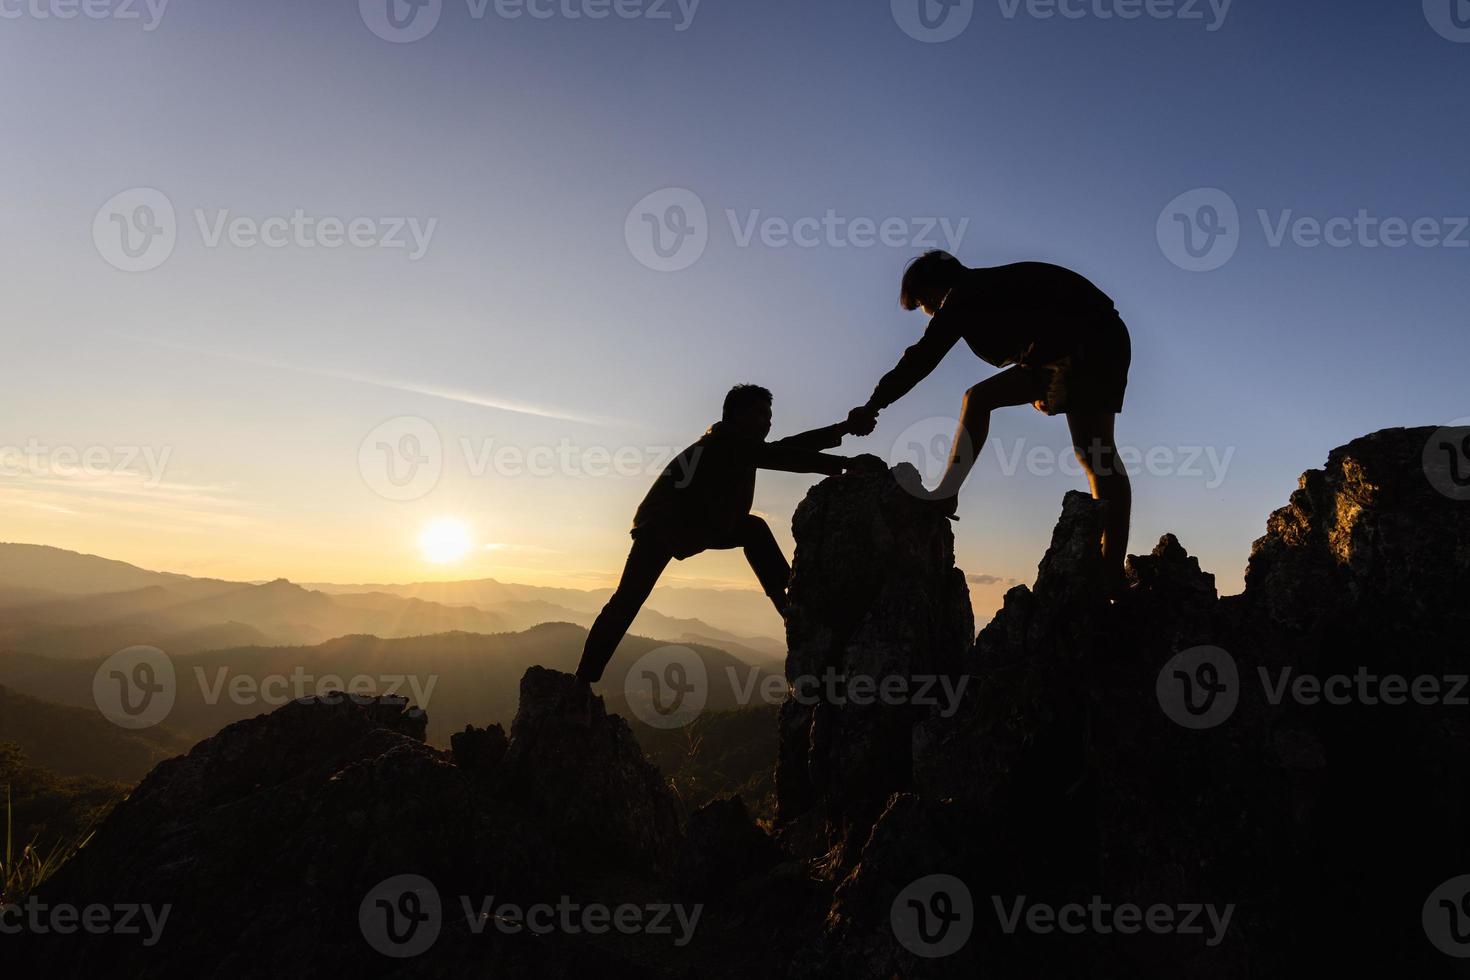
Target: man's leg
pixel 646 562
pixel 1013 386
pixel 766 560
pixel 1097 451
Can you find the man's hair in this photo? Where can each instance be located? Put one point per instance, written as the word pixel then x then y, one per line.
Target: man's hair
pixel 927 274
pixel 744 397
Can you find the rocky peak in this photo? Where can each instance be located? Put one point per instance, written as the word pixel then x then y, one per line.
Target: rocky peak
pixel 581 770
pixel 874 595
pixel 1372 526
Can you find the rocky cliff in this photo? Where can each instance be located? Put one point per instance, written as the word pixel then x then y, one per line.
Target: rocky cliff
pixel 1264 756
pixel 1171 785
pixel 875 595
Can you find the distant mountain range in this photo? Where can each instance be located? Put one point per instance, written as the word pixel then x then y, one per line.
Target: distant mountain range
pixel 240 649
pixel 741 616
pixel 76 740
pixel 729 612
pixel 62 604
pixel 460 678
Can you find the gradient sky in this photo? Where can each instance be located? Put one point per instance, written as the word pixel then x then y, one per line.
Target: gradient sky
pixel 260 371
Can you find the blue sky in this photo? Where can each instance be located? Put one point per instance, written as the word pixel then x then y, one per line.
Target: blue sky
pixel 526 142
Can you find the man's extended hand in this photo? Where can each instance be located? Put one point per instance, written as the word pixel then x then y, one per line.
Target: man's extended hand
pixel 861 421
pixel 866 463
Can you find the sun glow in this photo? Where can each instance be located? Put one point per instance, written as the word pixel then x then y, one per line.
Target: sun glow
pixel 445 540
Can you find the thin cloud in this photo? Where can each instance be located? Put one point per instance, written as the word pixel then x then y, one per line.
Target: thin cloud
pixel 125 497
pixel 981 579
pixel 411 387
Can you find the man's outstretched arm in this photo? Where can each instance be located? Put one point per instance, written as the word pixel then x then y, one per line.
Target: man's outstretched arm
pixel 790 459
pixel 798 453
pixel 827 437
pixel 801 453
pixel 916 364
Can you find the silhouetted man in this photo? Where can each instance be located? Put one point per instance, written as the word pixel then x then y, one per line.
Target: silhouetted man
pixel 1065 349
pixel 702 500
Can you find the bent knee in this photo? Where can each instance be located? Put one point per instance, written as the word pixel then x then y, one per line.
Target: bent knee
pixel 989 395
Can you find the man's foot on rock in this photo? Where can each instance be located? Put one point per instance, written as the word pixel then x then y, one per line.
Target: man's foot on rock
pixel 946 506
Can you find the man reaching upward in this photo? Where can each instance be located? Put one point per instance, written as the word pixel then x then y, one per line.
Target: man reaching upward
pixel 702 500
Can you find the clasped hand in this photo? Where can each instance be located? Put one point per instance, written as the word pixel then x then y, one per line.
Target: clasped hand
pixel 861 421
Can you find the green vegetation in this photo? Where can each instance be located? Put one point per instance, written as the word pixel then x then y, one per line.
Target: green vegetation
pixel 48 818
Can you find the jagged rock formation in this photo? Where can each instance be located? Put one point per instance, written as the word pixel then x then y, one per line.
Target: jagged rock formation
pixel 874 594
pixel 266 839
pixel 1327 826
pixel 1142 752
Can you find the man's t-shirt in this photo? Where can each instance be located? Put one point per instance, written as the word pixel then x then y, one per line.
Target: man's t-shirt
pixel 699 499
pixel 1029 309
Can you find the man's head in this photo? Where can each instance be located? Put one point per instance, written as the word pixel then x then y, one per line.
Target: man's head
pixel 927 279
pixel 748 411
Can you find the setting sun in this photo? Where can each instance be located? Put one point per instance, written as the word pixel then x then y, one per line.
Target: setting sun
pixel 445 540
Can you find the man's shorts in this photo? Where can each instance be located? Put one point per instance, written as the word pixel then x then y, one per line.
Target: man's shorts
pixel 1094 378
